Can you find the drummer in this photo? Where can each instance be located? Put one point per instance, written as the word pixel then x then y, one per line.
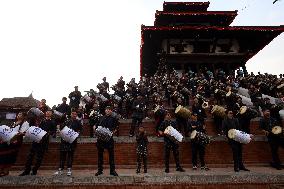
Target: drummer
pixel 266 124
pixel 67 149
pixel 182 123
pixel 10 151
pixel 195 146
pixel 40 148
pixel 232 123
pixel 169 144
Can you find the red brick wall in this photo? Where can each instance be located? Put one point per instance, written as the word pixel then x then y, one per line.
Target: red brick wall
pixel 150 128
pixel 217 152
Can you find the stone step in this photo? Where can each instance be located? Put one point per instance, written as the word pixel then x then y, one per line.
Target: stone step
pixel 221 178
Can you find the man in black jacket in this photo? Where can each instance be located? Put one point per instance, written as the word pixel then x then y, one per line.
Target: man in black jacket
pixel 40 148
pixel 169 144
pixel 275 141
pixel 67 149
pixel 109 122
pixel 232 123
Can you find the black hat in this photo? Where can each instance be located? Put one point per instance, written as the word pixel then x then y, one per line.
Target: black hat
pixel 109 107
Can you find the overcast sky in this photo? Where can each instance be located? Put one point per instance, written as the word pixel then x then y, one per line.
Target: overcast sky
pixel 48 47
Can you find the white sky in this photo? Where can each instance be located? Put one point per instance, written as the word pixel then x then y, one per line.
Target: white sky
pixel 50 46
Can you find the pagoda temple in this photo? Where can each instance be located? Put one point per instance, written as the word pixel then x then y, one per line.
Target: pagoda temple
pixel 188 36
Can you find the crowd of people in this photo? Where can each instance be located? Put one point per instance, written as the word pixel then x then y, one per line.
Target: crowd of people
pixel 202 92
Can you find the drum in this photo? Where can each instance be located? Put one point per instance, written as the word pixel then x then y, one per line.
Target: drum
pixel 57 114
pixel 218 111
pixel 35 133
pixel 69 135
pixel 103 98
pixel 248 112
pixel 7 134
pixel 246 100
pixel 276 130
pixel 87 98
pixel 173 134
pixel 103 133
pixel 117 98
pixel 183 112
pixel 34 113
pixel 239 136
pixel 200 138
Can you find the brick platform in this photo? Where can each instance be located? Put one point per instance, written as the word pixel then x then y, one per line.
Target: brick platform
pixel 218 152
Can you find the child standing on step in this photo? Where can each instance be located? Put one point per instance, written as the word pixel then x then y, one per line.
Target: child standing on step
pixel 141 149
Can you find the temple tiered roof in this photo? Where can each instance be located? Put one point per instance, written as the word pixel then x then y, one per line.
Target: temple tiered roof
pixel 187 34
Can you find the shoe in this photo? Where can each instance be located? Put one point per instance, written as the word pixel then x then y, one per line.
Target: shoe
pixel 59 172
pixel 131 135
pixel 69 171
pixel 24 173
pixel 113 173
pixel 278 168
pixel 167 170
pixel 98 173
pixel 205 168
pixel 34 172
pixel 180 169
pixel 194 168
pixel 244 169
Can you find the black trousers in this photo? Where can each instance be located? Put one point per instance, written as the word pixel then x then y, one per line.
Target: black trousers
pixel 175 149
pixel 197 149
pixel 140 158
pixel 218 124
pixel 110 147
pixel 237 149
pixel 38 150
pixel 136 122
pixel 275 143
pixel 70 157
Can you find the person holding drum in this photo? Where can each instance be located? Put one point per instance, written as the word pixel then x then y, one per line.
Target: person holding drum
pixel 64 107
pixel 275 138
pixel 39 148
pixel 110 122
pixel 9 152
pixel 181 121
pixel 170 144
pixel 66 148
pixel 197 145
pixel 232 123
pixel 199 110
